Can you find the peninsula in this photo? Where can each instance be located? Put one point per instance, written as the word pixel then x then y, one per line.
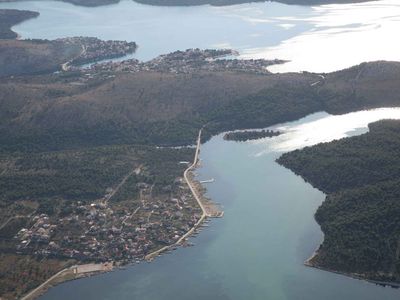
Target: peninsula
pixel 11 17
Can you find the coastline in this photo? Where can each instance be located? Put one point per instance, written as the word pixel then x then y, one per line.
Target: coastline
pixel 209 210
pixel 196 189
pixel 309 263
pixel 71 273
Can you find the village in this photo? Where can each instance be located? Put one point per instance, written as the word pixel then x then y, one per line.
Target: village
pixel 102 231
pixel 94 49
pixel 186 62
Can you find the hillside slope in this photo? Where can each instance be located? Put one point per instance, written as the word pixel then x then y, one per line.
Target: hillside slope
pixel 360 217
pixel 168 109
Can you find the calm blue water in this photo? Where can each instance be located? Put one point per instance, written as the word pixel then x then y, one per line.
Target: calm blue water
pixel 257 250
pixel 160 30
pixel 320 38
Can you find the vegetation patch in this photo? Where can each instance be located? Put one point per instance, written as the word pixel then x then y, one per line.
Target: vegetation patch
pixel 243 136
pixel 11 17
pixel 360 216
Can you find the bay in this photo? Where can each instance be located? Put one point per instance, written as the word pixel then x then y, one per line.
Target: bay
pixel 320 38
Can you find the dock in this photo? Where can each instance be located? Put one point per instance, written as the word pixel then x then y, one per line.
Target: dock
pixel 208 180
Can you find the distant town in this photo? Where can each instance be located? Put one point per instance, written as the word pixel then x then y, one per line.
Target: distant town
pixel 186 62
pixel 94 49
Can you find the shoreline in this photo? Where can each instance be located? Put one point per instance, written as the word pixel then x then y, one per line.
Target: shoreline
pixel 199 196
pixel 308 263
pixel 207 212
pixel 75 272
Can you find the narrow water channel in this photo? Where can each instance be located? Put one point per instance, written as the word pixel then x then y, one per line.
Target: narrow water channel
pixel 257 250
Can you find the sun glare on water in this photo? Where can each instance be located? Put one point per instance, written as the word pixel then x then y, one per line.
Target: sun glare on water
pixel 325 129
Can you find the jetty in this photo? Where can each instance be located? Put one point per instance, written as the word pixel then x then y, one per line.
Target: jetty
pixel 208 180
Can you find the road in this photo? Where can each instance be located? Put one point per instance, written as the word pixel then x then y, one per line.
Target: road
pixel 118 187
pixel 44 285
pixel 75 270
pixel 15 217
pixel 195 195
pixel 33 294
pixel 65 66
pixel 187 179
pixel 319 81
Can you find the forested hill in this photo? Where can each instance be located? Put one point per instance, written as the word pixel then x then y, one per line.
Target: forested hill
pixel 67 110
pixel 361 214
pixel 11 17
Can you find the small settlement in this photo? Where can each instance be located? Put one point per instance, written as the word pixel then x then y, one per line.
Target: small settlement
pixel 102 230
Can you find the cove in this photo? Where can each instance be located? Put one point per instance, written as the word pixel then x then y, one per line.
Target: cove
pixel 257 250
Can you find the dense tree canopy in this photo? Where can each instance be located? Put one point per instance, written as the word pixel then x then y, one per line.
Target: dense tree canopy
pixel 361 214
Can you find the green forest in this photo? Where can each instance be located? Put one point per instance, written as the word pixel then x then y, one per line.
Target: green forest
pixel 242 136
pixel 84 175
pixel 11 17
pixel 360 217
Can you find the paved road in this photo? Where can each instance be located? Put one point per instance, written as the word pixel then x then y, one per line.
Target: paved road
pixel 194 192
pixel 187 179
pixel 44 285
pixel 154 254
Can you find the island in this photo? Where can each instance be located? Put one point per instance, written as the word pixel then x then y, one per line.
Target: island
pixel 243 136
